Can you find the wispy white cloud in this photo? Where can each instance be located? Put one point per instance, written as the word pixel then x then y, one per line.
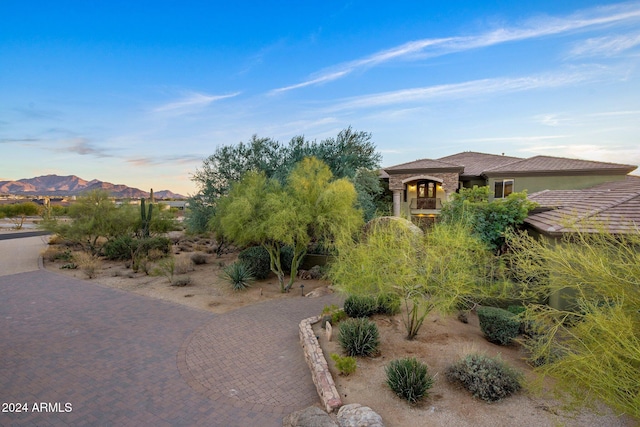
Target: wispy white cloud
pixel 191 102
pixel 552 119
pixel 605 46
pixel 475 88
pixel 535 28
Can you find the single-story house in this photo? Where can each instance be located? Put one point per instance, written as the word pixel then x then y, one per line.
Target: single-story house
pixel 420 187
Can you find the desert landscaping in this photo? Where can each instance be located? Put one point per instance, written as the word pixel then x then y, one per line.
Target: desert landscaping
pixel 442 340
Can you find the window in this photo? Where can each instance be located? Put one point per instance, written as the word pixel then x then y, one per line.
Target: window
pixel 503 188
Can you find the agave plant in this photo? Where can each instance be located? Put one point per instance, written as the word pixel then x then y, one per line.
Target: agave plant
pixel 239 275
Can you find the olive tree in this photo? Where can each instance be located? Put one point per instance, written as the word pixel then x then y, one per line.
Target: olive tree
pixel 344 154
pixel 309 206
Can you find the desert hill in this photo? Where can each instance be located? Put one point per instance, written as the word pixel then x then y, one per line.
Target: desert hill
pixel 71 185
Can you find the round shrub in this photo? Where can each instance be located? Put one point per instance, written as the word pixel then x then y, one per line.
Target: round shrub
pixel 121 248
pixel 486 378
pixel 258 258
pixel 162 244
pixel 409 379
pixel 360 306
pixel 199 258
pixel 498 325
pixel 359 337
pixel 286 258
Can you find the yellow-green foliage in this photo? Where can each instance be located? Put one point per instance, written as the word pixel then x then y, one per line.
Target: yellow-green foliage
pixel 346 365
pixel 443 270
pixel 310 206
pixel 594 351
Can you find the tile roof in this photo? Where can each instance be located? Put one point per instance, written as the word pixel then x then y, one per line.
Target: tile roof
pixel 422 164
pixel 542 164
pixel 613 206
pixel 475 163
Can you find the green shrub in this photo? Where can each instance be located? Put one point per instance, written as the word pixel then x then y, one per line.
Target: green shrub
pixel 359 337
pixel 239 275
pixel 388 304
pixel 258 258
pixel 346 365
pixel 120 249
pixel 338 316
pixel 516 309
pixel 487 378
pixel 162 244
pixel 409 379
pixel 360 306
pixel 498 325
pixel 286 258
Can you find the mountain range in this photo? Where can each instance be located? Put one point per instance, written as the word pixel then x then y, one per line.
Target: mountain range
pixel 55 185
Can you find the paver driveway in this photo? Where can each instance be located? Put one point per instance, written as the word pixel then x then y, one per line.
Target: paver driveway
pixel 124 359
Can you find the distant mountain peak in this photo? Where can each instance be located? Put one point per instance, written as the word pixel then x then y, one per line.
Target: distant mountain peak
pixel 72 185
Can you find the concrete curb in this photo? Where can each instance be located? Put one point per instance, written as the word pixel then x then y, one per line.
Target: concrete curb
pixel 318 365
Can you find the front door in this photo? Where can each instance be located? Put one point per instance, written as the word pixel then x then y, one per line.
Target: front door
pixel 426 195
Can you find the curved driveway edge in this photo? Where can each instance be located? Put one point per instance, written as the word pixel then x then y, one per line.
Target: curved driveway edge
pixel 124 359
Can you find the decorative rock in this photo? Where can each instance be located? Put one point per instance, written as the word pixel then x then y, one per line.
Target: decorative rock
pixel 329 330
pixel 309 417
pixel 356 415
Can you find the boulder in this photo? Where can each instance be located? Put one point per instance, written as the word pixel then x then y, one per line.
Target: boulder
pixel 356 415
pixel 309 417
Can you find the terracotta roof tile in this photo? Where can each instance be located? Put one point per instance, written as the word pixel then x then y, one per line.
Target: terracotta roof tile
pixel 559 164
pixel 475 163
pixel 422 164
pixel 613 206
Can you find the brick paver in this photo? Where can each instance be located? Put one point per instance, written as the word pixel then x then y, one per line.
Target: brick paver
pixel 124 359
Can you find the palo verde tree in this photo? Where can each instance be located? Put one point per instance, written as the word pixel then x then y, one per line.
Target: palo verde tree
pixel 346 153
pixel 593 349
pixel 309 206
pixel 488 220
pixel 443 270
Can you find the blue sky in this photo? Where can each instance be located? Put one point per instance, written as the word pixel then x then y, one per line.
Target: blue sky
pixel 138 93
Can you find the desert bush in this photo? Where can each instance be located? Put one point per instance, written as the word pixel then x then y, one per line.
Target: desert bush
pixel 409 379
pixel 487 378
pixel 199 258
pixel 388 304
pixel 156 254
pixel 359 337
pixel 181 281
pixel 53 253
pixel 119 249
pixel 258 258
pixel 166 267
pixel 498 325
pixel 360 306
pixel 346 365
pixel 183 266
pixel 338 316
pixel 89 264
pixel 239 275
pixel 286 258
pixel 162 244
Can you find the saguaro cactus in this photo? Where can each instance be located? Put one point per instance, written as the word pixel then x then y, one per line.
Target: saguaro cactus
pixel 146 215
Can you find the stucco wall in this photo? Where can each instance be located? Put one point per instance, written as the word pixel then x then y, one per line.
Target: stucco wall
pixel 539 183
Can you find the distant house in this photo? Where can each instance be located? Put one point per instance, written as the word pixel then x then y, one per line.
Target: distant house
pixel 420 187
